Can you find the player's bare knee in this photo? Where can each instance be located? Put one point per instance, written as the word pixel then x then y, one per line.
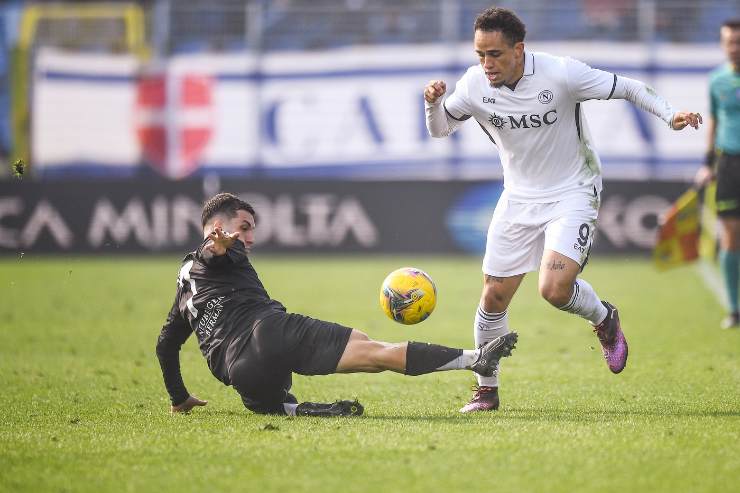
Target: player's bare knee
pixel 493 300
pixel 555 293
pixel 358 335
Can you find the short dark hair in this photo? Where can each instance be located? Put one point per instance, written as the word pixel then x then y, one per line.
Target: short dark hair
pixel 227 204
pixel 732 23
pixel 503 20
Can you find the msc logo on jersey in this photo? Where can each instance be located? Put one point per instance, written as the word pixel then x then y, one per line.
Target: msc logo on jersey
pixel 523 121
pixel 496 120
pixel 545 96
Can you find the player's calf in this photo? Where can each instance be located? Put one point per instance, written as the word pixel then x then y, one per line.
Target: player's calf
pixel 584 302
pixel 422 358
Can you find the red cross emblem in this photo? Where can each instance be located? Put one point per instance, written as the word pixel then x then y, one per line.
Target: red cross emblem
pixel 174 121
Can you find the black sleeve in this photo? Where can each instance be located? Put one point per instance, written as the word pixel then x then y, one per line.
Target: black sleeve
pixel 235 255
pixel 174 334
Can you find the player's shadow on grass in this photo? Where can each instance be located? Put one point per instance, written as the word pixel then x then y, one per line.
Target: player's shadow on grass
pixel 594 415
pixel 557 415
pixel 529 414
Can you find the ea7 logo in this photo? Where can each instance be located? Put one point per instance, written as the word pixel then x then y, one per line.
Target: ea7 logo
pixel 523 121
pixel 489 100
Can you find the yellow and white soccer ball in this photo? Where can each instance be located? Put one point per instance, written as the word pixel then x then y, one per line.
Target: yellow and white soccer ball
pixel 408 295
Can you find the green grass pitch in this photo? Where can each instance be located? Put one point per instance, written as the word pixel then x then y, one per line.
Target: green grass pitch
pixel 85 409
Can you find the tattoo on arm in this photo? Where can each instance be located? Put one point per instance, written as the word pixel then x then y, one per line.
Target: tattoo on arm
pixel 556 265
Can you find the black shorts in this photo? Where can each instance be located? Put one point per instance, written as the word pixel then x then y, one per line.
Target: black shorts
pixel 728 185
pixel 280 345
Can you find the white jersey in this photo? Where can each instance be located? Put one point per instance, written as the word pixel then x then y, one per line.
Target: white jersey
pixel 539 126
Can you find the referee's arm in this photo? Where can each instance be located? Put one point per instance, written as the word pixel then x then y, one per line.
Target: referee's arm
pixel 173 335
pixel 711 135
pixel 705 174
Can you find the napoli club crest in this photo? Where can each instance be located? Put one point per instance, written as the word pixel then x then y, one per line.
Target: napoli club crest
pixel 545 96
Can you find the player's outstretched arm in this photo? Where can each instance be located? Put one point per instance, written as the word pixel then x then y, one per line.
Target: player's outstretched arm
pixel 189 404
pixel 645 98
pixel 705 173
pixel 173 335
pixel 587 83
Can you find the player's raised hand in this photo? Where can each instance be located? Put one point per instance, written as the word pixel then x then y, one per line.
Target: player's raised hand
pixel 220 241
pixel 434 90
pixel 189 404
pixel 683 119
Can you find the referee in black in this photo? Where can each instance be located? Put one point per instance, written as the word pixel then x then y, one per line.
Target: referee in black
pixel 251 343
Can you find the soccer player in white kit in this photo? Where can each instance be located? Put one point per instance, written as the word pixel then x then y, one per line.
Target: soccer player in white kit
pixel 529 105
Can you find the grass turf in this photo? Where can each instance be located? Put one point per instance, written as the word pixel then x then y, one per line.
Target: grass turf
pixel 85 408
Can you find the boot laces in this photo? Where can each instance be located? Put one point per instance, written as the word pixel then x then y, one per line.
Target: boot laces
pixel 480 390
pixel 603 331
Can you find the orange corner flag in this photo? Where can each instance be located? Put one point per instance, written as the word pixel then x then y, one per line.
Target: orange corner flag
pixel 678 234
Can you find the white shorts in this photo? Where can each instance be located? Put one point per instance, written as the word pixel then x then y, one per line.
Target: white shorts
pixel 520 232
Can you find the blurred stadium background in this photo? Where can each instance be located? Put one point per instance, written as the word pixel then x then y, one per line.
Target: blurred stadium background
pixel 127 114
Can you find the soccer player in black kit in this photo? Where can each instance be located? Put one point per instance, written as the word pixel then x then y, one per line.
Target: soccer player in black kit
pixel 251 343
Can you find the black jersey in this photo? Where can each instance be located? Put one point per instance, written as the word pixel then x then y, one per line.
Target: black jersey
pixel 220 298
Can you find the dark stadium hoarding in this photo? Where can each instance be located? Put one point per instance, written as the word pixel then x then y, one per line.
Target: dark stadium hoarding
pixel 151 215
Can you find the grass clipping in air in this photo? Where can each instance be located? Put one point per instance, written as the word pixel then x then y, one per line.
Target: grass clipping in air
pixel 18 168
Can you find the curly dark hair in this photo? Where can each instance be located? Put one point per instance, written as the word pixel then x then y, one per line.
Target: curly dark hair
pixel 227 204
pixel 503 20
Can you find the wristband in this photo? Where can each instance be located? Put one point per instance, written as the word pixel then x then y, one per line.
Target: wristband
pixel 709 158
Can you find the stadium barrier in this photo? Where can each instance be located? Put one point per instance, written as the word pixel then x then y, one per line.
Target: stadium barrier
pixel 155 215
pixel 352 113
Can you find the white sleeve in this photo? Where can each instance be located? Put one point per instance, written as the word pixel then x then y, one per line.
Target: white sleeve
pixel 445 117
pixel 586 83
pixel 644 97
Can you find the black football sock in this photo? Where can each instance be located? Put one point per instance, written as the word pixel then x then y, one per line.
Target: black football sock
pixel 422 357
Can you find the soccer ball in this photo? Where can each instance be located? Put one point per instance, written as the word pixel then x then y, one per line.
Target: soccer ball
pixel 408 295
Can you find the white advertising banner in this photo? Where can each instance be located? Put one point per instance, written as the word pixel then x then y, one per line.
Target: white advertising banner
pixel 82 110
pixel 354 112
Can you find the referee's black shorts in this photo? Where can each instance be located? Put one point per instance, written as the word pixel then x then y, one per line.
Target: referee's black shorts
pixel 728 185
pixel 280 345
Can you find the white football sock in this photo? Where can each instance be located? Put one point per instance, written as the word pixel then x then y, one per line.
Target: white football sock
pixel 462 362
pixel 289 408
pixel 585 303
pixel 487 327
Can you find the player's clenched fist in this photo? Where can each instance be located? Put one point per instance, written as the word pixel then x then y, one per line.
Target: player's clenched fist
pixel 434 90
